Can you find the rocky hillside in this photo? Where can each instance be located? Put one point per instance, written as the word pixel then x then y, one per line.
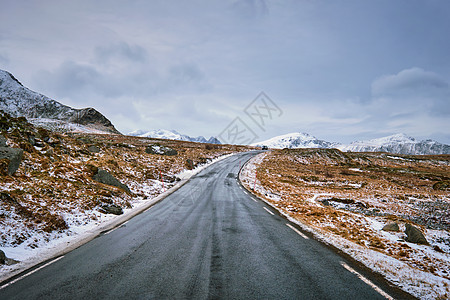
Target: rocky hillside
pixel 19 101
pixel 53 184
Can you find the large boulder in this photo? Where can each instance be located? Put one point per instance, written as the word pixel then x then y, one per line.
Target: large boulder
pixel 105 177
pixel 161 150
pixel 391 227
pixel 414 235
pixel 111 209
pixel 14 156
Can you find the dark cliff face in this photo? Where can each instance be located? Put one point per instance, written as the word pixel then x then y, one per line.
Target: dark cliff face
pixel 90 116
pixel 20 101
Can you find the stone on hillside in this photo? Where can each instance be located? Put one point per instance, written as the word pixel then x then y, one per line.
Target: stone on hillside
pixel 111 209
pixel 189 164
pixel 161 150
pixel 442 185
pixel 414 235
pixel 93 149
pixel 391 227
pixel 105 177
pixel 2 257
pixel 14 155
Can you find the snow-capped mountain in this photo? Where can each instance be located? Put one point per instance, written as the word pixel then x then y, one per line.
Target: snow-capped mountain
pixel 398 143
pixel 172 135
pixel 18 101
pixel 295 140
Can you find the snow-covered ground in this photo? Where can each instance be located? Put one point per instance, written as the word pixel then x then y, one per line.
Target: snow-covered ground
pixel 63 126
pixel 421 284
pixel 82 226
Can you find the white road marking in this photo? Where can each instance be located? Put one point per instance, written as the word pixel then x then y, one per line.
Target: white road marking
pixel 109 231
pixel 269 211
pixel 28 274
pixel 297 231
pixel 367 281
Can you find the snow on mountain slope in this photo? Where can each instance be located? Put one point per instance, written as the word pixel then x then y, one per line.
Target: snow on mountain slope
pixel 398 143
pixel 172 135
pixel 295 140
pixel 17 100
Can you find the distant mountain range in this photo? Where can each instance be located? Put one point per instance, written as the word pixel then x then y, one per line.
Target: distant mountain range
pixel 397 143
pixel 172 135
pixel 296 140
pixel 19 101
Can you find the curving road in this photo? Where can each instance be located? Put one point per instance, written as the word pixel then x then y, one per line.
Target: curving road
pixel 207 240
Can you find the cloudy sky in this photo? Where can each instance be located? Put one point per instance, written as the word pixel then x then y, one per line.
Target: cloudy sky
pixel 340 70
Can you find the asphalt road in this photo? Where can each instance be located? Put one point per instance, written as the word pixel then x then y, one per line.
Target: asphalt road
pixel 208 240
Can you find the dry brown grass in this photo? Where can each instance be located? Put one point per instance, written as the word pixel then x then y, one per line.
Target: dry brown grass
pixel 57 178
pixel 368 184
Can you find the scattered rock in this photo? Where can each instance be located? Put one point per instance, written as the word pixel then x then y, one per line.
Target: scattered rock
pixel 111 209
pixel 391 227
pixel 325 202
pixel 105 177
pixel 438 249
pixel 161 150
pixel 414 235
pixel 3 141
pixel 189 164
pixel 93 149
pixel 2 257
pixel 442 185
pixel 14 155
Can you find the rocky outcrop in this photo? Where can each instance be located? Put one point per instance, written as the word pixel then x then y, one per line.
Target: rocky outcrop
pixel 91 117
pixel 414 235
pixel 20 101
pixel 161 150
pixel 13 156
pixel 391 227
pixel 111 209
pixel 105 177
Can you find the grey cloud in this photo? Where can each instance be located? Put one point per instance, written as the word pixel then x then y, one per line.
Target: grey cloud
pixel 121 50
pixel 72 79
pixel 413 90
pixel 408 81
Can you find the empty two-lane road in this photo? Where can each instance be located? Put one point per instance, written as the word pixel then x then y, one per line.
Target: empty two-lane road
pixel 209 239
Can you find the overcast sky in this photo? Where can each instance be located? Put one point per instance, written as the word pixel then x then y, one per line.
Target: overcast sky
pixel 339 70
